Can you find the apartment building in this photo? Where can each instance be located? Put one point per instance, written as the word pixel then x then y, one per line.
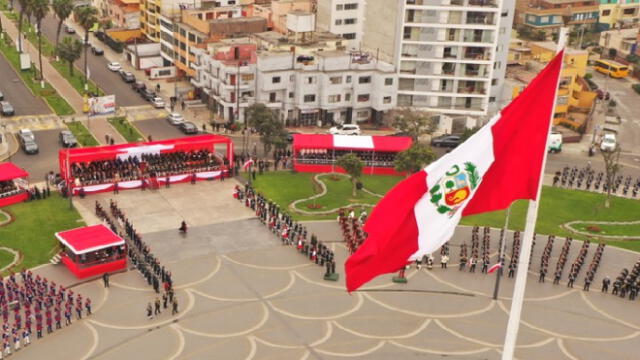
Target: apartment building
pixel 550 15
pixel 618 13
pixel 344 18
pixel 624 41
pixel 125 14
pixel 306 79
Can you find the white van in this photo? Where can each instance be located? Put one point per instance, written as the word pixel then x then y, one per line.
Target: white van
pixel 608 142
pixel 346 129
pixel 555 142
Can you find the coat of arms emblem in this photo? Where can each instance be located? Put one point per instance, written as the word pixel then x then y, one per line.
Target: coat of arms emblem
pixel 450 192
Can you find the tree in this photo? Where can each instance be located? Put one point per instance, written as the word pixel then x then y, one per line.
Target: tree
pixel 87 16
pixel 611 168
pixel 69 51
pixel 40 9
pixel 353 166
pixel 63 9
pixel 413 122
pixel 468 132
pixel 271 130
pixel 414 158
pixel 24 9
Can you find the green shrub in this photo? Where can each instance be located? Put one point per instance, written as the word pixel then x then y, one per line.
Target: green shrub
pixel 636 88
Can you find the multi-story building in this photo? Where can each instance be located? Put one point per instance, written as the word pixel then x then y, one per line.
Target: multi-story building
pixel 618 13
pixel 550 15
pixel 276 12
pixel 125 13
pixel 303 79
pixel 444 51
pixel 624 41
pixel 344 18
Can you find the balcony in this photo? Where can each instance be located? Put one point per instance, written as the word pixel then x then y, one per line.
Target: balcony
pixel 487 3
pixel 480 19
pixel 472 89
pixel 477 54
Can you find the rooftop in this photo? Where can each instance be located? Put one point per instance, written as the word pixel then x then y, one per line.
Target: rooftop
pixel 551 46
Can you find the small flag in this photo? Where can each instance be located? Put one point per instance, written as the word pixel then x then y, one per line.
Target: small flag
pixel 247 164
pixel 494 268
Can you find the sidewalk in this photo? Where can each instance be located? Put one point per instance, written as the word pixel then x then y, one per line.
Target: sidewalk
pixel 51 75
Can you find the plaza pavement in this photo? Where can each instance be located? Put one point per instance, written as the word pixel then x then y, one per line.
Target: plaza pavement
pixel 243 295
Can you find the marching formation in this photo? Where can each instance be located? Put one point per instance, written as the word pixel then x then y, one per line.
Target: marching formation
pixel 351 227
pixel 588 179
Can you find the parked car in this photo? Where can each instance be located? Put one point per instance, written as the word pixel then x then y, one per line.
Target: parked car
pixel 138 86
pixel 175 119
pixel 345 129
pixel 114 66
pixel 97 51
pixel 1 96
pixel 67 139
pixel 127 76
pixel 555 142
pixel 188 127
pixel 603 94
pixel 158 103
pixel 450 141
pixel 148 94
pixel 28 141
pixel 69 30
pixel 609 142
pixel 6 108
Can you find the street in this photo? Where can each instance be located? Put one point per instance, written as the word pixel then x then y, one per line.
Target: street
pixel 625 97
pixel 46 160
pixel 158 129
pixel 17 93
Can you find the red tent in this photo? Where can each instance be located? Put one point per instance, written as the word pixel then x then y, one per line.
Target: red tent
pixel 327 143
pixel 20 187
pixel 92 250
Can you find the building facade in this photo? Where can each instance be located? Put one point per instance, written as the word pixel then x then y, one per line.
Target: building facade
pixel 125 13
pixel 624 41
pixel 618 13
pixel 344 18
pixel 550 15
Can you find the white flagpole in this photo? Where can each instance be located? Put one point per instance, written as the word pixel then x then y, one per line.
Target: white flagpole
pixel 525 250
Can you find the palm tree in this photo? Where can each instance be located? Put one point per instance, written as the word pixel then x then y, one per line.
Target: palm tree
pixel 62 8
pixel 69 51
pixel 24 5
pixel 87 16
pixel 40 9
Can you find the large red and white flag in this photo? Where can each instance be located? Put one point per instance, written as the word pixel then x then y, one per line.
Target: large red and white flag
pixel 499 164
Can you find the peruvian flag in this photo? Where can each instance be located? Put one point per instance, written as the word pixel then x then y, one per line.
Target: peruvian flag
pixel 499 164
pixel 494 267
pixel 247 164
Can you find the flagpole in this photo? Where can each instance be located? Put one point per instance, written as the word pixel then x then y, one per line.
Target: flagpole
pixel 525 250
pixel 503 248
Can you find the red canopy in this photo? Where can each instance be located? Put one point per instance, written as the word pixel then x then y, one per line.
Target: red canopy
pixel 89 238
pixel 349 142
pixel 10 171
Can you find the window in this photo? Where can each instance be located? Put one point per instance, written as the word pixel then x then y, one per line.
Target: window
pixel 349 21
pixel 347 97
pixel 544 19
pixel 362 114
pixel 335 80
pixel 364 80
pixel 310 80
pixel 351 6
pixel 562 100
pixel 339 22
pixel 275 80
pixel 192 37
pixel 606 12
pixel 339 7
pixel 272 97
pixel 334 98
pixel 349 36
pixel 363 97
pixel 348 79
pixel 309 98
pixel 494 82
pixel 291 95
pixel 629 11
pixel 388 81
pixel 386 100
pixel 492 99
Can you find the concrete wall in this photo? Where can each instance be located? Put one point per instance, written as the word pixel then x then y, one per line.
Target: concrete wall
pixel 380 32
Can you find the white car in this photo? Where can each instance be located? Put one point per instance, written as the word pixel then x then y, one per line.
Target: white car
pixel 157 102
pixel 175 119
pixel 114 66
pixel 345 129
pixel 608 142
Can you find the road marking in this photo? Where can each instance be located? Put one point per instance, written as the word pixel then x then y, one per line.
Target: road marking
pixel 262 267
pixel 377 337
pixel 277 292
pixel 358 354
pixel 443 316
pixel 603 313
pixel 181 342
pixel 439 352
pixel 95 339
pixel 209 276
pixel 329 317
pixel 265 317
pixel 565 351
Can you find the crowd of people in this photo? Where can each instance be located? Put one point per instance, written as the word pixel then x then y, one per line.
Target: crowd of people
pixel 328 157
pixel 351 227
pixel 289 231
pixel 562 259
pixel 8 188
pixel 36 303
pixel 587 178
pixel 146 165
pixel 627 283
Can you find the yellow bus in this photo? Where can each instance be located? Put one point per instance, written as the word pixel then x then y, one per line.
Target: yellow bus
pixel 612 68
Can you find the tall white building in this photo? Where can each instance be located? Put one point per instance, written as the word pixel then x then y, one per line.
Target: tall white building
pixel 450 55
pixel 342 17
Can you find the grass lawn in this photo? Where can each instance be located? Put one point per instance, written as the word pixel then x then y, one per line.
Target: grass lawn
pixel 610 229
pixel 338 194
pixel 125 129
pixel 77 79
pixel 3 218
pixel 5 258
pixel 59 105
pixel 32 232
pixel 82 134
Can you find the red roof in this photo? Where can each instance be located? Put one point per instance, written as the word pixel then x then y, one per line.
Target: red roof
pixel 10 171
pixel 344 142
pixel 89 238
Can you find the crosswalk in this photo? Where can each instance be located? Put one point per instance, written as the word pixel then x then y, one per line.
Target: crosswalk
pixel 33 122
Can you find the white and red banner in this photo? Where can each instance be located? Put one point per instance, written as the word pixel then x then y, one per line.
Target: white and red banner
pixel 247 163
pixel 499 164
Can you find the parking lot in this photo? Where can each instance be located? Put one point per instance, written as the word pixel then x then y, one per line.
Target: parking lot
pixel 46 160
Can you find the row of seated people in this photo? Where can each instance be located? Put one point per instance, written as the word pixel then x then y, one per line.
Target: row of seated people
pixel 370 158
pixel 134 168
pixel 8 188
